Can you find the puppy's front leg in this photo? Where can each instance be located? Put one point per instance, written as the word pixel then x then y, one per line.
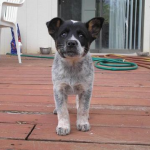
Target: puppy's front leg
pixel 83 111
pixel 63 127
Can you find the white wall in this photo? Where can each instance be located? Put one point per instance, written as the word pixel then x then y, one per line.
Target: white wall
pixel 32 18
pixel 146 38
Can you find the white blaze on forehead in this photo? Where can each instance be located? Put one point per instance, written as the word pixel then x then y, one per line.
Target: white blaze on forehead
pixel 74 21
pixel 73 38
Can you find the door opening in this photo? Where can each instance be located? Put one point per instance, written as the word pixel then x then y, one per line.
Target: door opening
pixel 122 29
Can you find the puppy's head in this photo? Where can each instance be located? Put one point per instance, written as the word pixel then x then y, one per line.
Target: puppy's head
pixel 73 38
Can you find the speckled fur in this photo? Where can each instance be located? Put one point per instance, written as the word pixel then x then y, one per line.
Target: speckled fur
pixel 72 70
pixel 72 78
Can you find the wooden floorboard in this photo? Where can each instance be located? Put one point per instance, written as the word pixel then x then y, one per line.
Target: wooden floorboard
pixel 14 131
pixel 119 114
pixel 47 145
pixel 109 135
pixel 121 121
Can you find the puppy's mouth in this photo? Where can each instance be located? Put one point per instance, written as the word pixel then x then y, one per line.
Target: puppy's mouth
pixel 67 52
pixel 71 53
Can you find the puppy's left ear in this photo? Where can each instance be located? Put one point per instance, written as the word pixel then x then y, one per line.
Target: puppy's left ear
pixel 53 26
pixel 94 26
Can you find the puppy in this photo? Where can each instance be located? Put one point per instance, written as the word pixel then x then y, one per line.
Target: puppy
pixel 72 70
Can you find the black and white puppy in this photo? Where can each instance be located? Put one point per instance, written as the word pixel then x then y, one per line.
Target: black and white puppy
pixel 72 71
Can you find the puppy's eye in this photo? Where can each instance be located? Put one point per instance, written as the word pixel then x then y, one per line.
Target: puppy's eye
pixel 64 34
pixel 80 35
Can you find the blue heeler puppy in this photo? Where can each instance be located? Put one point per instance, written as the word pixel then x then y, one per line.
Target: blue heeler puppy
pixel 72 71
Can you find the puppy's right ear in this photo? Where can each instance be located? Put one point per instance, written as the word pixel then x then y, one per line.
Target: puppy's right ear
pixel 53 26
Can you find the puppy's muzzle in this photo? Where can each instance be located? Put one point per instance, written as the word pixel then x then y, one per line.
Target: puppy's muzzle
pixel 71 47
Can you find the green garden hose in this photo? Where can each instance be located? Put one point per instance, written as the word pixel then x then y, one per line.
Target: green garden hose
pixel 113 64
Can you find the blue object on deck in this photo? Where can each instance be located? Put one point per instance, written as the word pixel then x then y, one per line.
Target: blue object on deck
pixel 13 42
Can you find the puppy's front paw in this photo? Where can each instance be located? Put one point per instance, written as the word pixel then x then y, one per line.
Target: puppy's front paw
pixel 83 127
pixel 62 130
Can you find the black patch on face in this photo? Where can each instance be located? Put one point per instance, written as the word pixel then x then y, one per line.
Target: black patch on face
pixel 69 29
pixel 84 33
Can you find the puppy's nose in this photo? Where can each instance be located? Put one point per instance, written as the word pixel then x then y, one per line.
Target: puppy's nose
pixel 71 43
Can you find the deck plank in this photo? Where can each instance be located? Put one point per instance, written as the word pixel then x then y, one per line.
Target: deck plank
pixel 14 131
pixel 95 119
pixel 119 114
pixel 109 135
pixel 45 145
pixel 98 109
pixel 96 100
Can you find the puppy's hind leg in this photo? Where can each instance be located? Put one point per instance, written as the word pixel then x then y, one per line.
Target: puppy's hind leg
pixel 83 111
pixel 55 111
pixel 77 102
pixel 63 127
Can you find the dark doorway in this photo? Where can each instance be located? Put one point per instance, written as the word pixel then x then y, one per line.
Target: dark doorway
pixel 70 9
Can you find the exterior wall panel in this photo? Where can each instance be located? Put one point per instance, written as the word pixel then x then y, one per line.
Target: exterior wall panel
pixel 32 18
pixel 146 37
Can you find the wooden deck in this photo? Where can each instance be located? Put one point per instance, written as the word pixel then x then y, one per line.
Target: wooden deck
pixel 119 115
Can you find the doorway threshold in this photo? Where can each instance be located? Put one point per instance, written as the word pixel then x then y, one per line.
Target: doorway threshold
pixel 100 54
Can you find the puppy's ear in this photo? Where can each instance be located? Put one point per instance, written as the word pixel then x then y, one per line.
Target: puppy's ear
pixel 53 26
pixel 94 26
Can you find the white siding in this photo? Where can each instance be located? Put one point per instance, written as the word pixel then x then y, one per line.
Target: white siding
pixel 32 18
pixel 146 38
